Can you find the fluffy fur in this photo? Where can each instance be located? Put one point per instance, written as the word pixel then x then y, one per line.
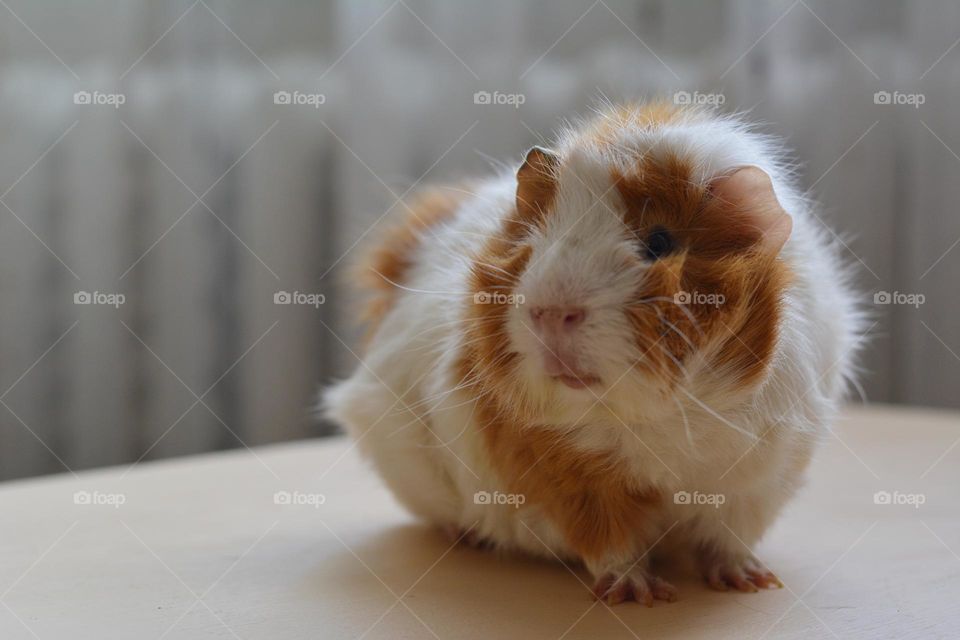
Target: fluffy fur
pixel 720 394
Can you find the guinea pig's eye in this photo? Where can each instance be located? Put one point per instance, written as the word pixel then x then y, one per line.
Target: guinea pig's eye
pixel 658 244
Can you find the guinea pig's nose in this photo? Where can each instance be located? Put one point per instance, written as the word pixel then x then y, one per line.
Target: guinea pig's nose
pixel 558 319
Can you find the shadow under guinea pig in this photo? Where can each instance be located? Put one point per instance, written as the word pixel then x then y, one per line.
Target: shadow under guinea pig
pixel 489 593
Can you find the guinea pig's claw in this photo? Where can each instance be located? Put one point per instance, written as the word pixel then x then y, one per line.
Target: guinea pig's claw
pixel 635 585
pixel 745 575
pixel 467 537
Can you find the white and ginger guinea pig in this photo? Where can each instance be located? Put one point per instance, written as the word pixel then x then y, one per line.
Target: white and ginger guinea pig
pixel 628 345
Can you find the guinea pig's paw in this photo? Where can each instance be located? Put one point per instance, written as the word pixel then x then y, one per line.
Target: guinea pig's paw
pixel 466 537
pixel 636 584
pixel 743 573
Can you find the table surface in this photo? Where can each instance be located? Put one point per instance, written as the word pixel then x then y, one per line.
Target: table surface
pixel 202 547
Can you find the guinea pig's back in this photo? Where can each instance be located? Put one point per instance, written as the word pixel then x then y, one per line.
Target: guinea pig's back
pixel 413 277
pixel 399 248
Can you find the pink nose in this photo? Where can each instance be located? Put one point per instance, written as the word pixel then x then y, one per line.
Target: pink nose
pixel 557 319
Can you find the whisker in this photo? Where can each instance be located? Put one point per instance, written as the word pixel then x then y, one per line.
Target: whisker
pixel 672 326
pixel 686 422
pixel 683 308
pixel 716 415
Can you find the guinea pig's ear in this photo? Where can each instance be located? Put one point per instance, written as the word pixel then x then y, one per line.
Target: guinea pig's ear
pixel 750 191
pixel 536 182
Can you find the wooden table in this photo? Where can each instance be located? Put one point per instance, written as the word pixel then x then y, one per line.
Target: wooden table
pixel 206 547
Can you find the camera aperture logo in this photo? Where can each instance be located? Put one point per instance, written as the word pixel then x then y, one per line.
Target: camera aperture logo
pixel 896 297
pixel 299 297
pixel 696 498
pixel 99 498
pixel 683 98
pixel 698 297
pixel 299 98
pixel 897 498
pixel 899 98
pixel 99 98
pixel 99 297
pixel 299 499
pixel 499 498
pixel 497 98
pixel 498 297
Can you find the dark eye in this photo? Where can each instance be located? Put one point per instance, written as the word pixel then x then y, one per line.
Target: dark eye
pixel 658 244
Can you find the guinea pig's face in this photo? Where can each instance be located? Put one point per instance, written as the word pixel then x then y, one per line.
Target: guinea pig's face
pixel 618 286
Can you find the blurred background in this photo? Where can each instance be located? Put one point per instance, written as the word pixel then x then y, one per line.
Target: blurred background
pixel 172 173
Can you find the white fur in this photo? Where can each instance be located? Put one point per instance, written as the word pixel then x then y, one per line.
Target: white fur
pixel 403 406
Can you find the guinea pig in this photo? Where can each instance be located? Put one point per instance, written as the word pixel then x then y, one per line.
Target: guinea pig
pixel 631 342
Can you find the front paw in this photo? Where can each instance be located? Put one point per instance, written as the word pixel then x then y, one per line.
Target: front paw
pixel 457 534
pixel 636 584
pixel 743 573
